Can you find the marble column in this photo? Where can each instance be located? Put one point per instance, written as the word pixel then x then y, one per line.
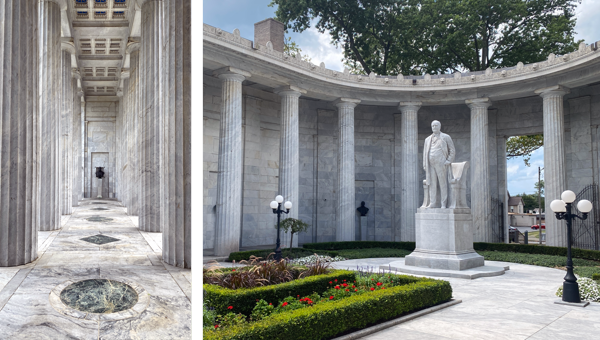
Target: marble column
pixel 152 86
pixel 19 132
pixel 346 210
pixel 289 156
pixel 133 114
pixel 176 139
pixel 76 142
pixel 229 178
pixel 66 131
pixel 481 204
pixel 124 170
pixel 49 105
pixel 409 196
pixel 554 160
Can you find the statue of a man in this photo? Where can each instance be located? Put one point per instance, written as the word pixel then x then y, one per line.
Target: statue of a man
pixel 438 154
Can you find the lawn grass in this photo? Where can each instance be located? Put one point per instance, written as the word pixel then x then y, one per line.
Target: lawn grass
pixel 372 253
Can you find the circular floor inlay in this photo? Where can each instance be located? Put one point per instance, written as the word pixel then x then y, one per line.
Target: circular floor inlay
pixel 99 219
pixel 99 209
pixel 99 203
pixel 99 296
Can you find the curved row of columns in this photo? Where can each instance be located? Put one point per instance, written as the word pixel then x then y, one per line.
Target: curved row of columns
pixel 229 181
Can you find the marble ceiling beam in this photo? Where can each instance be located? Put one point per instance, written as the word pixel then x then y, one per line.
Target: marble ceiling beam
pixel 19 131
pixel 176 152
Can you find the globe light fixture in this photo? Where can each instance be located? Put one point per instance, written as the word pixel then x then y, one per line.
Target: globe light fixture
pixel 276 206
pixel 562 210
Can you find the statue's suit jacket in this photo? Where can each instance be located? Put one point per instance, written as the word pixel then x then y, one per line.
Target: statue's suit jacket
pixel 447 148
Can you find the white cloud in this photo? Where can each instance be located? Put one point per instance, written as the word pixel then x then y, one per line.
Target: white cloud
pixel 588 25
pixel 319 48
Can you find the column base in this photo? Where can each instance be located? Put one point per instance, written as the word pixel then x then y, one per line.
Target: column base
pixel 419 258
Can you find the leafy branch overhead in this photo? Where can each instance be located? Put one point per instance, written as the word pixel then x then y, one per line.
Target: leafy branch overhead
pixel 389 37
pixel 523 146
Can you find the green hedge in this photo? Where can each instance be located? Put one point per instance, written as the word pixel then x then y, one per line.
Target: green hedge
pixel 243 300
pixel 286 252
pixel 596 276
pixel 516 248
pixel 327 320
pixel 360 245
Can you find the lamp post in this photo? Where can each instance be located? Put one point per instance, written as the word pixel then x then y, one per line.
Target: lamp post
pixel 276 206
pixel 562 210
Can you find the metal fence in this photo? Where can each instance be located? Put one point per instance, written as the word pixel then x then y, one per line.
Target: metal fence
pixel 497 220
pixel 586 233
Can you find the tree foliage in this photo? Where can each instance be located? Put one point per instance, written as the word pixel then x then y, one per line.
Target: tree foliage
pixel 292 49
pixel 293 226
pixel 389 37
pixel 530 202
pixel 523 146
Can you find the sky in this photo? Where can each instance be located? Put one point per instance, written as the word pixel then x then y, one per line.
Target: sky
pixel 242 14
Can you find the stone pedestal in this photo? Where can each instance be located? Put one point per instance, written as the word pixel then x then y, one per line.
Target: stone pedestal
pixel 99 188
pixel 362 224
pixel 444 240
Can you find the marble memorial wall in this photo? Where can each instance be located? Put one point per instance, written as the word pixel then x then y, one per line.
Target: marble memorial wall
pixel 377 157
pixel 101 139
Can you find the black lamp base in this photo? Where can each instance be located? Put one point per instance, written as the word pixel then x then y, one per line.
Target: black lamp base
pixel 571 292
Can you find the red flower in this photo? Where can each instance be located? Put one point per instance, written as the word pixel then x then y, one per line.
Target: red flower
pixel 216 326
pixel 372 288
pixel 335 280
pixel 345 284
pixel 356 290
pixel 344 280
pixel 330 282
pixel 379 283
pixel 256 300
pixel 270 304
pixel 331 297
pixel 337 287
pixel 233 270
pixel 353 286
pixel 382 287
pixel 371 279
pixel 230 307
pixel 309 302
pixel 284 304
pixel 347 290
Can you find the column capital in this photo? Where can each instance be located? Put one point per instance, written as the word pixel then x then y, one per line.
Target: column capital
pixel 75 73
pixel 412 106
pixel 231 73
pixel 143 2
pixel 346 102
pixel 556 90
pixel 61 3
pixel 132 46
pixel 478 103
pixel 289 90
pixel 80 93
pixel 125 73
pixel 68 46
pixel 120 93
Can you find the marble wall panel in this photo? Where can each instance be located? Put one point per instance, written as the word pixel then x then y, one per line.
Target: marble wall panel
pixel 101 138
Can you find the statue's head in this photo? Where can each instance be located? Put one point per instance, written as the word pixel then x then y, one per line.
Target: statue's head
pixel 362 204
pixel 436 126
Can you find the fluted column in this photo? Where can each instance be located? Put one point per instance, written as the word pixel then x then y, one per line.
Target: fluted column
pixel 289 156
pixel 49 105
pixel 76 142
pixel 176 140
pixel 410 169
pixel 133 114
pixel 229 178
pixel 554 160
pixel 152 85
pixel 125 181
pixel 481 205
pixel 346 210
pixel 66 131
pixel 19 132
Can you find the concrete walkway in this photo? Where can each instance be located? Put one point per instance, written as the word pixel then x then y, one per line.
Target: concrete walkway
pixel 516 305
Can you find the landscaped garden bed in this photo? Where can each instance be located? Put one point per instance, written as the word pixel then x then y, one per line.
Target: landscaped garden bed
pixel 313 306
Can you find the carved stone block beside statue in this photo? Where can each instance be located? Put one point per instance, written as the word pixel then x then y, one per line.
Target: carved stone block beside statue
pixel 444 240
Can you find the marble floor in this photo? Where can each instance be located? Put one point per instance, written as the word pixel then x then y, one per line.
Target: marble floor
pixel 135 258
pixel 516 305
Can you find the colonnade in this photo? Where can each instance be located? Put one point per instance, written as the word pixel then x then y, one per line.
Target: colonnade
pixel 229 195
pixel 43 144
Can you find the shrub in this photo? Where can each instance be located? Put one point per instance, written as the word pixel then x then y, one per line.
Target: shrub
pixel 326 320
pixel 290 253
pixel 586 271
pixel 595 276
pixel 373 252
pixel 244 299
pixel 209 315
pixel 534 259
pixel 360 245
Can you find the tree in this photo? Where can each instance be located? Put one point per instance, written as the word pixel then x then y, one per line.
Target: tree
pixel 428 36
pixel 530 202
pixel 540 186
pixel 523 146
pixel 291 48
pixel 293 226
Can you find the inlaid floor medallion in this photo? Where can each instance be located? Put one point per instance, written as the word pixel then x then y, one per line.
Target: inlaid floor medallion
pixel 99 209
pixel 99 219
pixel 99 239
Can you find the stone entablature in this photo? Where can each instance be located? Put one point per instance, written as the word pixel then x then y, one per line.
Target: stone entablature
pixel 550 67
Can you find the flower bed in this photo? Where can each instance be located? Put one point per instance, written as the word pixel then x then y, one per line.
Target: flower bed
pixel 589 290
pixel 344 305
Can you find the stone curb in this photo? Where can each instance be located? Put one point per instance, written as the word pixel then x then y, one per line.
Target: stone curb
pixel 394 322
